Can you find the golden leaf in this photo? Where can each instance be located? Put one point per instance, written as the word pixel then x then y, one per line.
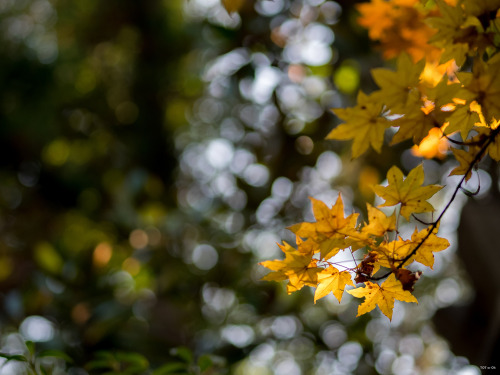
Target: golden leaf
pixel 379 222
pixel 330 230
pixel 407 191
pixel 390 254
pixel 364 124
pixel 465 158
pixel 331 280
pixel 298 267
pixel 382 296
pixel 396 87
pixel 431 245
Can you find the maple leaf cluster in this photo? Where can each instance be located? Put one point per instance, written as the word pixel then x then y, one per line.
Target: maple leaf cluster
pixel 445 90
pixel 313 262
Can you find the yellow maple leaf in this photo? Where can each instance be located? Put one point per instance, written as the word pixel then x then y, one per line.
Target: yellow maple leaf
pixel 465 159
pixel 330 230
pixel 450 20
pixel 382 295
pixel 463 119
pixel 483 133
pixel 364 124
pixel 390 254
pixel 445 91
pixel 379 222
pixel 407 191
pixel 299 268
pixel 432 244
pixel 456 31
pixel 483 85
pixel 331 280
pixel 416 122
pixel 396 87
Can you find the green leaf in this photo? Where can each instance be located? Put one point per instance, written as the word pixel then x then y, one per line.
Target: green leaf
pixel 100 364
pixel 205 362
pixel 31 347
pixel 104 354
pixel 136 362
pixel 171 368
pixel 131 357
pixel 183 353
pixel 56 354
pixel 14 357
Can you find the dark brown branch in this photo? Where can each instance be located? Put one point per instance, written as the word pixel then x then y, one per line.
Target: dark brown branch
pixel 475 143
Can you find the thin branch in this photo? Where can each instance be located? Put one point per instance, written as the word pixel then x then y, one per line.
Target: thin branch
pixel 434 225
pixel 460 143
pixel 421 221
pixel 473 193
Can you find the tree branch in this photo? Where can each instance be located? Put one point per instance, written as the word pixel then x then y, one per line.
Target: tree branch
pixel 435 224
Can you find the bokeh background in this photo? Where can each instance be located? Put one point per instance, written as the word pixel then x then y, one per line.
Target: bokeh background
pixel 153 152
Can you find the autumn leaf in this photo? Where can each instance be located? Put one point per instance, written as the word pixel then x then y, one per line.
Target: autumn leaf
pixel 298 267
pixel 450 20
pixel 331 280
pixel 330 230
pixel 399 26
pixel 482 85
pixel 450 32
pixel 390 254
pixel 396 87
pixel 382 296
pixel 368 266
pixel 465 158
pixel 485 133
pixel 415 124
pixel 408 278
pixel 379 222
pixel 364 124
pixel 463 120
pixel 445 91
pixel 407 191
pixel 432 244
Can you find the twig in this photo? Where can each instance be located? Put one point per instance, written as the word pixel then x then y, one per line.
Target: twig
pixel 434 225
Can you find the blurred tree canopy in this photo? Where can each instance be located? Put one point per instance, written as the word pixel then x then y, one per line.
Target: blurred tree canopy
pixel 151 154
